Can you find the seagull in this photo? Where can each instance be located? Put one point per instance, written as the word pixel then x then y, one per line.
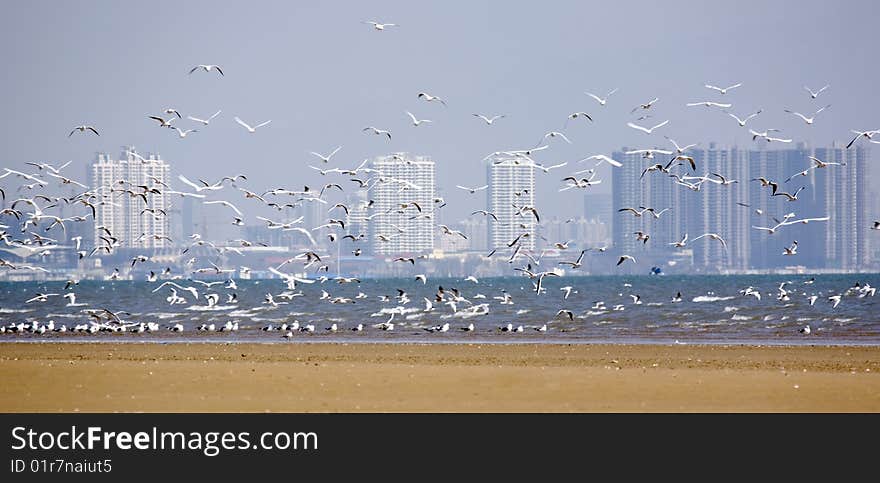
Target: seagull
pixel 203 121
pixel 602 101
pixel 490 120
pixel 808 120
pixel 709 104
pixel 646 105
pixel 575 264
pixel 867 134
pixel 713 236
pixel 814 95
pixel 805 330
pixel 723 90
pixel 648 153
pixel 567 289
pixel 206 68
pixel 473 190
pixel 183 133
pixel 742 122
pixel 417 122
pixel 791 197
pixel 251 129
pixel 83 129
pixel 679 149
pixel 379 26
pixel 447 231
pixel 378 132
pixel 646 130
pixel 226 204
pixel 554 134
pixel 326 158
pixel 791 250
pixel 607 159
pixel 624 258
pixel 835 299
pixel 430 98
pixel 162 122
pixel 576 115
pixel 681 243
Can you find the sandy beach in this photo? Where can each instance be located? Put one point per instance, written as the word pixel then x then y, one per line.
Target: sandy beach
pixel 110 377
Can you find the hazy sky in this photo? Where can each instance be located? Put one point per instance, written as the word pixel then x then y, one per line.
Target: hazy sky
pixel 321 76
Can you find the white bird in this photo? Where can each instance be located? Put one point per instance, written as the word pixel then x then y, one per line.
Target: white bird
pixel 835 300
pixel 206 68
pixel 866 134
pixel 742 122
pixel 430 98
pixel 600 100
pixel 379 26
pixel 805 330
pixel 490 120
pixel 791 250
pixel 251 129
pixel 203 121
pixel 471 278
pixel 472 190
pixel 607 159
pixel 83 129
pixel 326 158
pixel 646 105
pixel 378 132
pixel 183 133
pixel 647 130
pixel 226 204
pixel 723 90
pixel 713 236
pixel 814 95
pixel 554 134
pixel 417 122
pixel 709 104
pixel 808 120
pixel 624 258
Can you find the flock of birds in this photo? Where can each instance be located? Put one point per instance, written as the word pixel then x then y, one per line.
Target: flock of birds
pixel 676 163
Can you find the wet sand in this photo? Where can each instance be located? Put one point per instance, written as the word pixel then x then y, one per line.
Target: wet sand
pixel 67 377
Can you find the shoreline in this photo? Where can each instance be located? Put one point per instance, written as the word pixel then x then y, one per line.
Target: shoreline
pixel 415 377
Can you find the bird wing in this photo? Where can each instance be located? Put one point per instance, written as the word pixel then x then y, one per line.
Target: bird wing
pixel 640 128
pixel 243 123
pixel 188 182
pixel 262 124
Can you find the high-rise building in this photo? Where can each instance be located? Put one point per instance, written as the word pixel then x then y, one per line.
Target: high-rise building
pixel 403 196
pixel 511 188
pixel 120 183
pixel 846 199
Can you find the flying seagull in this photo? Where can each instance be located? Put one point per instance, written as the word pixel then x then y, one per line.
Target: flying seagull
pixel 647 130
pixel 206 68
pixel 600 100
pixel 490 120
pixel 723 90
pixel 83 129
pixel 251 129
pixel 203 121
pixel 379 26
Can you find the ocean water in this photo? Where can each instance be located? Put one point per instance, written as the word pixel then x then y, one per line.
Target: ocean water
pixel 712 310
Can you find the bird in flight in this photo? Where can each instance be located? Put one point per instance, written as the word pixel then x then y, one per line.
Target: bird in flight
pixel 206 68
pixel 724 89
pixel 647 130
pixel 430 98
pixel 866 134
pixel 417 122
pixel 742 122
pixel 808 120
pixel 472 190
pixel 490 120
pixel 646 105
pixel 203 121
pixel 378 132
pixel 709 104
pixel 603 101
pixel 83 129
pixel 249 128
pixel 814 95
pixel 379 26
pixel 323 158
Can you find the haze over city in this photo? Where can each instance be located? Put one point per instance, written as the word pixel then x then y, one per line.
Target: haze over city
pixel 321 76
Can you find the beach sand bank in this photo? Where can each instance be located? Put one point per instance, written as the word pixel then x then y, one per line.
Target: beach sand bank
pixel 40 377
